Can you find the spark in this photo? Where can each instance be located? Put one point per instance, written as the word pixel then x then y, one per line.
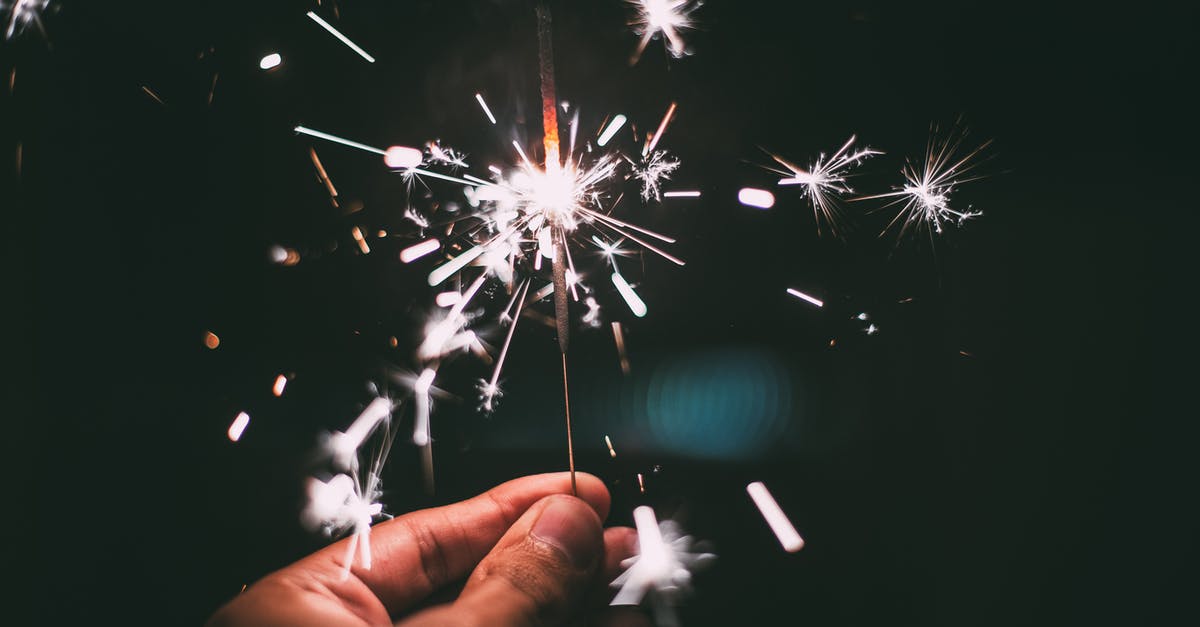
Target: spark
pixel 682 194
pixel 653 170
pixel 752 197
pixel 662 128
pixel 928 185
pixel 280 383
pixel 150 92
pixel 611 451
pixel 636 304
pixel 323 176
pixel 339 140
pixel 270 61
pixel 22 14
pixel 615 125
pixel 342 447
pixel 416 251
pixel 824 180
pixel 211 341
pixel 663 566
pixel 238 426
pixel 778 521
pixel 871 329
pixel 803 296
pixel 336 33
pixel 402 157
pixel 619 340
pixel 668 17
pixel 491 118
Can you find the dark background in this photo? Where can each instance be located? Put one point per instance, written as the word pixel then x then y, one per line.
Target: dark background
pixel 1046 478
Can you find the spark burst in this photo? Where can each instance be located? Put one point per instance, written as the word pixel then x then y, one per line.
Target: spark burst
pixel 22 14
pixel 928 185
pixel 662 568
pixel 824 181
pixel 666 17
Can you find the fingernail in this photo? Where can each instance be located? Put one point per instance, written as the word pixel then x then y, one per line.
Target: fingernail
pixel 570 527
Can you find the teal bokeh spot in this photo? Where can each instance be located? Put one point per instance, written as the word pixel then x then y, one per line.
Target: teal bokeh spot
pixel 720 404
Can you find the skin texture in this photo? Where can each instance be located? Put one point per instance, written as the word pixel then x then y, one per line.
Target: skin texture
pixel 528 552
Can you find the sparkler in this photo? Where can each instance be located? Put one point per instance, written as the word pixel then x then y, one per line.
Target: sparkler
pixel 665 17
pixel 663 566
pixel 925 195
pixel 824 180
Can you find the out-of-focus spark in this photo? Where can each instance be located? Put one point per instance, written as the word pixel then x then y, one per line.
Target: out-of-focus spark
pixel 339 140
pixel 342 447
pixel 397 157
pixel 682 194
pixel 362 241
pixel 662 128
pixel 619 340
pixel 280 383
pixel 491 118
pixel 150 92
pixel 416 251
pixel 871 329
pixel 323 176
pixel 524 157
pixel 636 305
pixel 421 389
pixel 925 195
pixel 663 566
pixel 615 125
pixel 668 17
pixel 803 296
pixel 787 534
pixel 212 89
pixel 641 483
pixel 652 171
pixel 238 426
pixel 284 256
pixel 211 341
pixel 24 13
pixel 270 61
pixel 336 33
pixel 611 451
pixel 447 299
pixel 752 197
pixel 824 180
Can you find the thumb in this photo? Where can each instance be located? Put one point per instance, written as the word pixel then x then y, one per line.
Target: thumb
pixel 537 572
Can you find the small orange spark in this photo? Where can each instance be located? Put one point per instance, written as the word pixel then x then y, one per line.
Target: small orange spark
pixel 362 242
pixel 150 92
pixel 280 383
pixel 211 340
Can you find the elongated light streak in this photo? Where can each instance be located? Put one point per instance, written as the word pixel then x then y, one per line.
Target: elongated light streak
pixel 491 118
pixel 692 193
pixel 662 127
pixel 611 451
pixel 490 390
pixel 362 242
pixel 752 197
pixel 270 61
pixel 421 391
pixel 619 340
pixel 416 251
pixel 787 534
pixel 803 296
pixel 521 151
pixel 340 140
pixel 636 305
pixel 280 383
pixel 238 426
pixel 344 39
pixel 617 122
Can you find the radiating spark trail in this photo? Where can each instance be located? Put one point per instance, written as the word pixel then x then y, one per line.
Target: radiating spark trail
pixel 662 128
pixel 759 198
pixel 150 92
pixel 619 340
pixel 682 194
pixel 336 33
pixel 615 125
pixel 824 180
pixel 803 296
pixel 416 251
pixel 238 426
pixel 323 176
pixel 611 451
pixel 668 17
pixel 925 196
pixel 491 118
pixel 787 534
pixel 490 390
pixel 636 304
pixel 663 565
pixel 339 140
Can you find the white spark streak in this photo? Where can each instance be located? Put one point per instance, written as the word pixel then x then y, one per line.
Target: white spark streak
pixel 342 447
pixel 344 39
pixel 636 305
pixel 611 451
pixel 615 125
pixel 787 534
pixel 491 118
pixel 24 13
pixel 663 565
pixel 340 140
pixel 824 181
pixel 402 157
pixel 803 296
pixel 447 299
pixel 662 128
pixel 238 426
pixel 752 197
pixel 421 391
pixel 416 251
pixel 280 383
pixel 682 194
pixel 270 61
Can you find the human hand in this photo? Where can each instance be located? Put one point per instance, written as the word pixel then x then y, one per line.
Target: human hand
pixel 534 556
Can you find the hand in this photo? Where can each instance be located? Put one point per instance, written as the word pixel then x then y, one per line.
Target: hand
pixel 534 556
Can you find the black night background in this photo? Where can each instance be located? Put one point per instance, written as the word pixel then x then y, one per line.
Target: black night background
pixel 1046 476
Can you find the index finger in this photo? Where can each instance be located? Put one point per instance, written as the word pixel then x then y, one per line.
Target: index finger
pixel 417 553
